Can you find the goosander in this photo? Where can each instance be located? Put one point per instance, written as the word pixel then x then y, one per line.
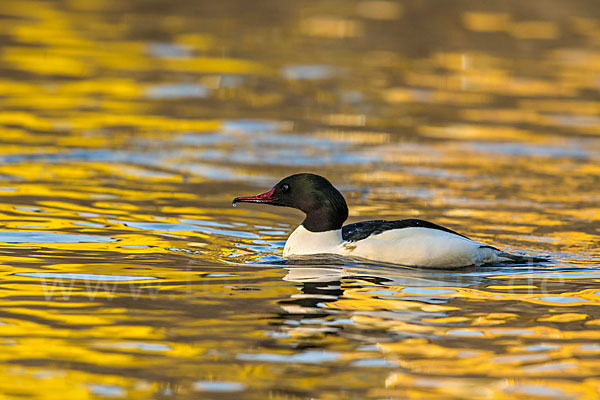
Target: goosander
pixel 408 242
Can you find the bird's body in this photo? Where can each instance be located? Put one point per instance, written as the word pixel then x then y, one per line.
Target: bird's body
pixel 411 246
pixel 410 242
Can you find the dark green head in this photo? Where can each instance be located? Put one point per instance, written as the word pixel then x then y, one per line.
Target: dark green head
pixel 323 204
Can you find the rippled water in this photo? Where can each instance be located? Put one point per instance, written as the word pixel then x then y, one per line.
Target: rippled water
pixel 126 128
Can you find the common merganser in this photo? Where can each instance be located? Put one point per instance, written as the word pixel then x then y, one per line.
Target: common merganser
pixel 409 242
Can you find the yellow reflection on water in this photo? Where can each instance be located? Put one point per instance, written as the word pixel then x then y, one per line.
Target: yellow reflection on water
pixel 127 128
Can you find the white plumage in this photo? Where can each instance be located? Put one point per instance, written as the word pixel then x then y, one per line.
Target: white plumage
pixel 423 247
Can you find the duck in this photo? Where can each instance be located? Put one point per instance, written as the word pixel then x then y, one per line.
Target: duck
pixel 406 242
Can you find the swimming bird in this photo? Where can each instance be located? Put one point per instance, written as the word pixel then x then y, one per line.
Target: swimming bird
pixel 409 242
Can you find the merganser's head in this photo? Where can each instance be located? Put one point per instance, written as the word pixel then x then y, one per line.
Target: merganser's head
pixel 323 204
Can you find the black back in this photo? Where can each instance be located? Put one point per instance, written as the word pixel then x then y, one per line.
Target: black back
pixel 364 229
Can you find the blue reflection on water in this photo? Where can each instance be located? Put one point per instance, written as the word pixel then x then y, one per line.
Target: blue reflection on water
pixel 143 346
pixel 177 90
pixel 252 126
pixel 465 332
pixel 50 237
pixel 307 357
pixel 218 386
pixel 375 363
pixel 308 72
pixel 107 390
pixel 521 149
pixel 83 277
pixel 172 227
pixel 417 290
pixel 168 50
pixel 535 390
pixel 561 299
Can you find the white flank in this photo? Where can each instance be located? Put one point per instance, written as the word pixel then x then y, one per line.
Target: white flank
pixel 423 247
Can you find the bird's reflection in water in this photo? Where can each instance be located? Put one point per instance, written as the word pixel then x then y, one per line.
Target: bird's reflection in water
pixel 325 306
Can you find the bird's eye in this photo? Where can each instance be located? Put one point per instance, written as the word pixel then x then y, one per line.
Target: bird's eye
pixel 285 187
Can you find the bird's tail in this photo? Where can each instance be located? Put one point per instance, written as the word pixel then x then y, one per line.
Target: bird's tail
pixel 519 259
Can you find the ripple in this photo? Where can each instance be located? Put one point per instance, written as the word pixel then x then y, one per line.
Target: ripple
pixel 51 237
pixel 542 347
pixel 308 357
pixel 252 126
pixel 550 367
pixel 522 149
pixel 89 224
pixel 107 390
pixel 174 227
pixel 143 346
pixel 218 386
pixel 375 363
pixel 562 299
pixel 308 72
pixel 84 277
pixel 426 291
pixel 168 50
pixel 465 332
pixel 535 390
pixel 177 90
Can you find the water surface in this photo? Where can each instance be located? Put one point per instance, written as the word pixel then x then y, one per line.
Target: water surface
pixel 126 129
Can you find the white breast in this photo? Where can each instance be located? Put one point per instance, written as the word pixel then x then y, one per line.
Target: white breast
pixel 415 246
pixel 303 242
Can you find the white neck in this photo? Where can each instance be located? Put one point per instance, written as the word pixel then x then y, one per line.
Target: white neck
pixel 302 241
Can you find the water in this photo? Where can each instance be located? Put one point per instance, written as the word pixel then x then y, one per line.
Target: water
pixel 126 129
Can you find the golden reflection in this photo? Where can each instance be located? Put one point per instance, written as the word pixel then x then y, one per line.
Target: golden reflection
pixel 534 30
pixel 126 273
pixel 331 27
pixel 42 63
pixel 486 22
pixel 501 22
pixel 566 299
pixel 378 9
